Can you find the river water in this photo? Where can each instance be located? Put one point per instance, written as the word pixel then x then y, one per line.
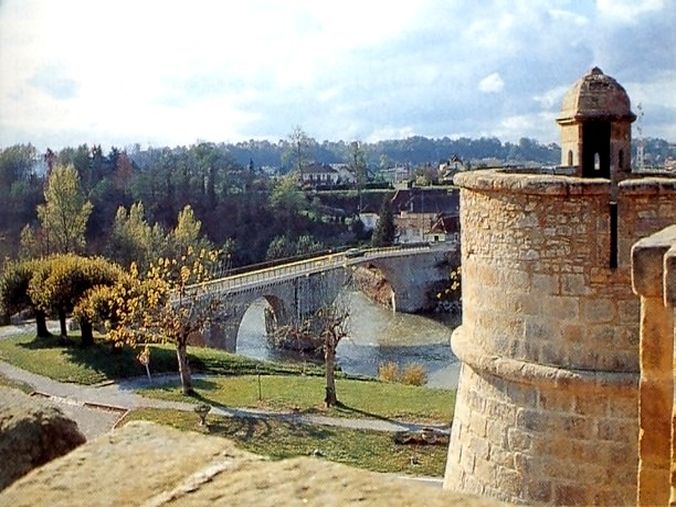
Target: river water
pixel 376 336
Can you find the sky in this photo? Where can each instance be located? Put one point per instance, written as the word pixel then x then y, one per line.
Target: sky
pixel 167 73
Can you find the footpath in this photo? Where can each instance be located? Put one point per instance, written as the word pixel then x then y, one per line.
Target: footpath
pixel 97 408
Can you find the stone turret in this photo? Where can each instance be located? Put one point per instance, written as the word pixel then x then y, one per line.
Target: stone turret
pixel 595 122
pixel 546 407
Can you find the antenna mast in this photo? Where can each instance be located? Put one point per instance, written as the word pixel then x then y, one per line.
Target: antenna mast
pixel 640 149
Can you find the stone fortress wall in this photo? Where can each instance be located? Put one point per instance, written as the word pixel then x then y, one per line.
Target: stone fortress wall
pixel 547 404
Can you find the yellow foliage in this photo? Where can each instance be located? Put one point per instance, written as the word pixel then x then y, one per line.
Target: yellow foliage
pixel 414 374
pixel 388 372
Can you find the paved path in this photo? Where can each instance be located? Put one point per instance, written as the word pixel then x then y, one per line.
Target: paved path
pixel 118 397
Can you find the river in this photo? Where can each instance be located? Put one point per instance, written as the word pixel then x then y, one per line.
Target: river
pixel 376 336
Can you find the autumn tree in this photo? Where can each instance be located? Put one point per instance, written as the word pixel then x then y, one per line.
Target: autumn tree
pixel 65 213
pixel 14 295
pixel 63 280
pixel 187 235
pixel 132 239
pixel 169 304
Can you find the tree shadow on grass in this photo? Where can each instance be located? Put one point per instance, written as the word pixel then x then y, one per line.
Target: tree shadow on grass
pixel 247 429
pixel 102 360
pixel 348 410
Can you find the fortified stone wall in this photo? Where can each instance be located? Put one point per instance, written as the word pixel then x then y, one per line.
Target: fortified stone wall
pixel 547 403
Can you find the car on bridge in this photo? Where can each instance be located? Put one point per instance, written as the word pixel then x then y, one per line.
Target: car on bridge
pixel 354 252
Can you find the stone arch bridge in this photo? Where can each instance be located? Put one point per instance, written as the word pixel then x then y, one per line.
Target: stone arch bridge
pixel 297 289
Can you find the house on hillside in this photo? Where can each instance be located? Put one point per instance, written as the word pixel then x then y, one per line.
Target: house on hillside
pixel 344 174
pixel 421 214
pixel 317 175
pixel 395 174
pixel 450 168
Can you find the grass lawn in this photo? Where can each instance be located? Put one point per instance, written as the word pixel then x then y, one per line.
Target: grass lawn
pixel 69 362
pixel 278 439
pixel 359 398
pixel 283 386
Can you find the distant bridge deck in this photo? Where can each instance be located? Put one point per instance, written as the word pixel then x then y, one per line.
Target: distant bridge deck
pixel 319 264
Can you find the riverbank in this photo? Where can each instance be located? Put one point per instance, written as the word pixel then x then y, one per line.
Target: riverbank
pixel 225 379
pixel 376 336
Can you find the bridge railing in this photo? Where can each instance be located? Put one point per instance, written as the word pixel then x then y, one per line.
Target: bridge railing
pixel 309 266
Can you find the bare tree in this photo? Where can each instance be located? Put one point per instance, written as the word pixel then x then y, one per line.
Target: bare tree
pixel 333 322
pixel 320 331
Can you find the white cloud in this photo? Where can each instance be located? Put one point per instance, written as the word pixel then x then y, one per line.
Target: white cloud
pixel 551 99
pixel 628 11
pixel 492 83
pixel 173 71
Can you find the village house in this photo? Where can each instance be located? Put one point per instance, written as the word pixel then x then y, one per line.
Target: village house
pixel 319 175
pixel 425 214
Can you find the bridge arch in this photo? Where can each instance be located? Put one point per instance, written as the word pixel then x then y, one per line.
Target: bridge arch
pixel 296 290
pixel 268 310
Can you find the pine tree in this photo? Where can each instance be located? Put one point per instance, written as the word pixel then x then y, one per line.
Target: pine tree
pixel 384 233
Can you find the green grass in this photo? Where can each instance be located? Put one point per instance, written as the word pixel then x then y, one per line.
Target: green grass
pixel 67 361
pixel 371 450
pixel 359 398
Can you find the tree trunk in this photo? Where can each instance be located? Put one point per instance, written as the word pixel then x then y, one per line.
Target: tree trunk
pixel 330 363
pixel 184 369
pixel 6 319
pixel 87 334
pixel 41 323
pixel 62 324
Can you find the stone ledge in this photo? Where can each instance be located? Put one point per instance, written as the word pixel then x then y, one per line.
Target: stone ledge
pixel 649 258
pixel 653 185
pixel 541 183
pixel 523 372
pixel 148 464
pixel 494 180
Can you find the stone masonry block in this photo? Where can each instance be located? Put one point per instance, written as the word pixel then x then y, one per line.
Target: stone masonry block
pixel 555 401
pixel 617 430
pixel 509 481
pixel 562 308
pixel 479 447
pixel 598 310
pixel 574 285
pixel 570 494
pixel 545 284
pixel 588 405
pixel 496 432
pixel 518 440
pixel 539 328
pixel 539 490
pixel 498 456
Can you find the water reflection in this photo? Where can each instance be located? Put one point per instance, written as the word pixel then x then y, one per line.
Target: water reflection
pixel 376 336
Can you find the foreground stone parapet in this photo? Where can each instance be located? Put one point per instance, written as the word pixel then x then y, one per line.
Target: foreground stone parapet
pixel 32 433
pixel 654 279
pixel 547 401
pixel 148 464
